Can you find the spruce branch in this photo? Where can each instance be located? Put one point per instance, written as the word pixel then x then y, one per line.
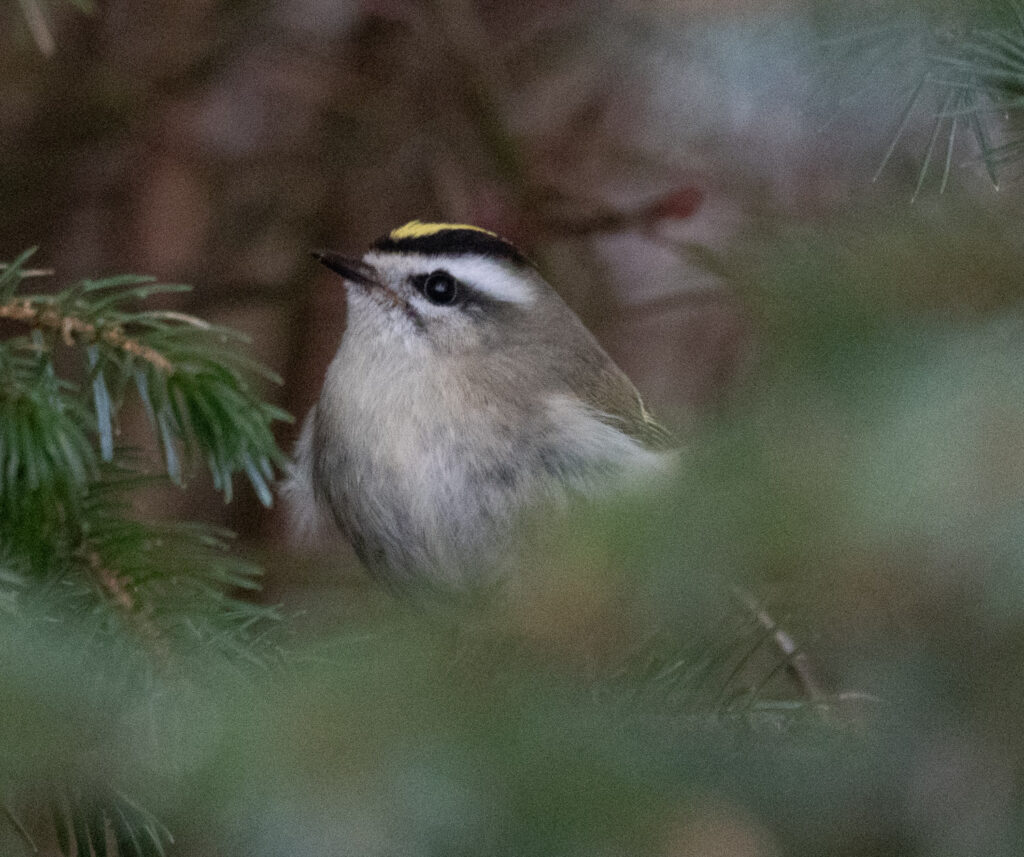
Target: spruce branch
pixel 172 582
pixel 118 588
pixel 75 331
pixel 46 456
pixel 194 385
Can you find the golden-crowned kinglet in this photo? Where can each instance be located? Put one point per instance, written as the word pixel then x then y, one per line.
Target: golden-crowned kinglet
pixel 463 392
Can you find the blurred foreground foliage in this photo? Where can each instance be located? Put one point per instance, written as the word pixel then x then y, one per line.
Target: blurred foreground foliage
pixel 860 488
pixel 864 480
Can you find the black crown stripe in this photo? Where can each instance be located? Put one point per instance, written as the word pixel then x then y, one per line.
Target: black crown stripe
pixel 459 242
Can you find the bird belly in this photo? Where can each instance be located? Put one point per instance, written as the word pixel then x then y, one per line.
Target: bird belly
pixel 418 497
pixel 423 495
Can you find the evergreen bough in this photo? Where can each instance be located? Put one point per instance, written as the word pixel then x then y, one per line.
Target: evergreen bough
pixel 73 559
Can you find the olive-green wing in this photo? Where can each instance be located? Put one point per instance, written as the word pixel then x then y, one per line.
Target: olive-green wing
pixel 618 403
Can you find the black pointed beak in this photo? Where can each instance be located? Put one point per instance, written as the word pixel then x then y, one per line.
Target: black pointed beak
pixel 353 270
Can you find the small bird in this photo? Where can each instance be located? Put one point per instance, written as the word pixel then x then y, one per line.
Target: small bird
pixel 464 392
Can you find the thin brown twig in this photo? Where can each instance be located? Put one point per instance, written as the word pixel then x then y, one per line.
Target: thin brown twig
pixel 26 273
pixel 118 588
pixel 795 658
pixel 38 27
pixel 115 585
pixel 680 203
pixel 74 330
pixel 679 300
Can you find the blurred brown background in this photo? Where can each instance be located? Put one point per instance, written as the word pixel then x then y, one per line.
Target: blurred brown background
pixel 216 143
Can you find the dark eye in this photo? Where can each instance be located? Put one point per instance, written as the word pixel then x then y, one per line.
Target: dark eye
pixel 441 288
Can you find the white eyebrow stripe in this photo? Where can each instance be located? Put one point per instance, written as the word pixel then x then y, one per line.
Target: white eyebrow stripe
pixel 491 278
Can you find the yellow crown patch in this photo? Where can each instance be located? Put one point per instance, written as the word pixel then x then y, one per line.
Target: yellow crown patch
pixel 419 229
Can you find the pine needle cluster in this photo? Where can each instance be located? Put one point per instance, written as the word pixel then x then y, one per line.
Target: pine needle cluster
pixel 960 71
